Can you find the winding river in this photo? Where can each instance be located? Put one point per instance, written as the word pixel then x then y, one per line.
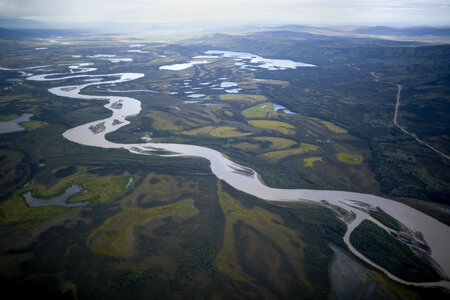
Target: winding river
pixel 432 232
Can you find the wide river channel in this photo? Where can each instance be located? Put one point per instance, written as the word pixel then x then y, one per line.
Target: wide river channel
pixel 432 232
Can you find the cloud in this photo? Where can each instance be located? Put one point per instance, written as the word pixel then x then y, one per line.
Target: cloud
pixel 304 11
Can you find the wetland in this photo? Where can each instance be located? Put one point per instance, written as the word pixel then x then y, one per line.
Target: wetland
pixel 244 192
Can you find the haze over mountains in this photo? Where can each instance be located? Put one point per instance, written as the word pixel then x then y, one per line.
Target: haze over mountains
pixel 15 28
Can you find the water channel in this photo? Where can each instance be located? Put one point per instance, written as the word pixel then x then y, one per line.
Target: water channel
pixel 432 232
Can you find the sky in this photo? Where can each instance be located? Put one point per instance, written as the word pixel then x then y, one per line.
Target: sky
pixel 337 12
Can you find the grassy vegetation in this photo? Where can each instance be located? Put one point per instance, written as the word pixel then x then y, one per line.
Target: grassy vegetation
pixel 199 131
pixel 260 145
pixel 15 211
pixel 115 236
pixel 246 146
pixel 221 131
pixel 282 127
pixel 333 127
pixel 162 122
pixel 242 97
pixel 309 161
pixel 273 81
pixel 157 189
pixel 99 189
pixel 277 245
pixel 278 155
pixel 267 224
pixel 14 171
pixel 354 159
pixel 276 142
pixel 33 125
pixel 385 219
pixel 8 117
pixel 226 131
pixel 227 259
pixel 262 110
pixel 388 252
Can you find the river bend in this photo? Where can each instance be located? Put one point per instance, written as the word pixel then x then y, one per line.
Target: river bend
pixel 435 234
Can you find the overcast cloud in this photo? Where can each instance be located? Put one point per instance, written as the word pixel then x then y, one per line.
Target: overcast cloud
pixel 394 12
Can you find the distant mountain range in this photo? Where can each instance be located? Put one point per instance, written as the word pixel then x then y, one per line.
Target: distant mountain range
pixel 18 23
pixel 408 31
pixel 20 34
pixel 374 30
pixel 14 28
